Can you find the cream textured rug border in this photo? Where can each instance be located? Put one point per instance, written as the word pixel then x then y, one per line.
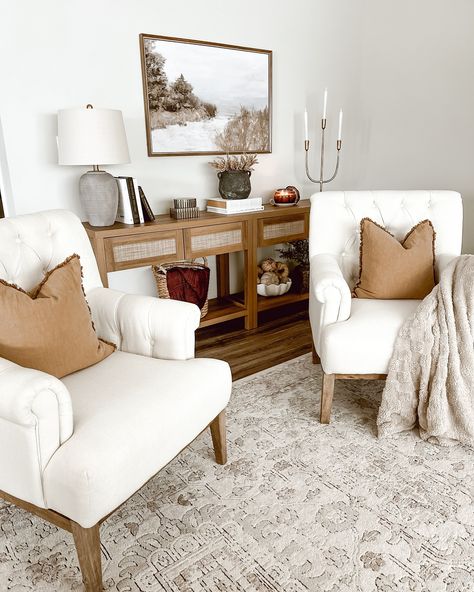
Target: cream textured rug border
pixel 299 507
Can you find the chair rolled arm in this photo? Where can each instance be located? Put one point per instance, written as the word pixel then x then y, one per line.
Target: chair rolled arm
pixel 145 325
pixel 29 396
pixel 36 417
pixel 330 296
pixel 328 284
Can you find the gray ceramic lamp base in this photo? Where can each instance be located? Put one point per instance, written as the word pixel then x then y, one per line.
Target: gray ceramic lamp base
pixel 99 197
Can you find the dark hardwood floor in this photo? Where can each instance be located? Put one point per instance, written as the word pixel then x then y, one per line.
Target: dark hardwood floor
pixel 283 334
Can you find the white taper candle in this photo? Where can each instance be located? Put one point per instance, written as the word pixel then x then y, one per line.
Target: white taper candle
pixel 325 103
pixel 339 135
pixel 306 134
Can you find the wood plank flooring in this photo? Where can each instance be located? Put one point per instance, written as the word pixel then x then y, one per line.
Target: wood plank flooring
pixel 283 334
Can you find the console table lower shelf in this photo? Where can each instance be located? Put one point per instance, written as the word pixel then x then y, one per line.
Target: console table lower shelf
pixel 222 310
pixel 165 240
pixel 269 302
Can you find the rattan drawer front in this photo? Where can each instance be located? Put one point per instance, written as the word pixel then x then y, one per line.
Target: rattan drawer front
pixel 144 249
pixel 280 230
pixel 212 240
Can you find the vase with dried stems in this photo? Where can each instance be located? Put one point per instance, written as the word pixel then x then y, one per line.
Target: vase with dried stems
pixel 234 173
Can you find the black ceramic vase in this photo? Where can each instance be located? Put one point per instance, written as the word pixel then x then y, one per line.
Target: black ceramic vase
pixel 234 184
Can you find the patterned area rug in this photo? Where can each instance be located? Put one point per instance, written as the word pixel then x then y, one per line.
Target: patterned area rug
pixel 300 506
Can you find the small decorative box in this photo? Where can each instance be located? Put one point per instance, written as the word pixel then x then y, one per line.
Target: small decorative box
pixel 184 202
pixel 183 213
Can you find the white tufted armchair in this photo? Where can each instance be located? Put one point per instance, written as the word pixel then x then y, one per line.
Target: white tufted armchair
pixel 73 450
pixel 353 337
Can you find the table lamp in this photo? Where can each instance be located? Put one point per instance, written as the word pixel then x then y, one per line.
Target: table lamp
pixel 87 136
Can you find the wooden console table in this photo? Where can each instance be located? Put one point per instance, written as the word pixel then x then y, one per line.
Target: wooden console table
pixel 124 246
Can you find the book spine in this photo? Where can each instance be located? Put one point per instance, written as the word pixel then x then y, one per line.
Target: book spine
pixel 218 210
pixel 147 211
pixel 235 205
pixel 124 211
pixel 254 201
pixel 214 203
pixel 242 209
pixel 133 203
pixel 138 201
pixel 227 212
pixel 119 217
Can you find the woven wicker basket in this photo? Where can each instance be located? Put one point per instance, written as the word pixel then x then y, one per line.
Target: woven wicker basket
pixel 159 273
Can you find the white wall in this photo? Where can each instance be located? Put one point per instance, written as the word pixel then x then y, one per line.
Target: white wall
pixel 6 192
pixel 415 109
pixel 67 54
pixel 402 70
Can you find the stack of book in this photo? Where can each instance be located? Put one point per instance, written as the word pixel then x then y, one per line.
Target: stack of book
pixel 133 206
pixel 234 206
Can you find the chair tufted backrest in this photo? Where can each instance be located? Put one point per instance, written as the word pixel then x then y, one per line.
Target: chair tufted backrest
pixel 32 244
pixel 335 221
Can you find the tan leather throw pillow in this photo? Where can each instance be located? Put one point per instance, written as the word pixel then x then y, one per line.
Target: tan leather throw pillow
pixel 392 270
pixel 50 328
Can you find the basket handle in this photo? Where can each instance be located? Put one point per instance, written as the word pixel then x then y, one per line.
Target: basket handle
pixel 204 260
pixel 163 267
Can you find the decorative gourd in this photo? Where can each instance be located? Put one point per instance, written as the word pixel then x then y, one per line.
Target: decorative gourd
pixel 272 272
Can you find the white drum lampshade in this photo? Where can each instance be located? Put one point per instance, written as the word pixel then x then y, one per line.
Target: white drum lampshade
pixel 95 137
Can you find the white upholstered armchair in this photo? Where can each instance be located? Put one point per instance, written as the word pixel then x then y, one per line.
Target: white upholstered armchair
pixel 353 337
pixel 73 450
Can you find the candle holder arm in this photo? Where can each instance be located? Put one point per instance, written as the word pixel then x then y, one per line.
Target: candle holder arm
pixel 308 174
pixel 307 165
pixel 335 171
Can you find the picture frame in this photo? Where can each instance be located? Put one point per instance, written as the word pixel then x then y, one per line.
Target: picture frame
pixel 203 98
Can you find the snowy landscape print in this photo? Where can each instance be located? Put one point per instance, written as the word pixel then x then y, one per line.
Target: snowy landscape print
pixel 205 98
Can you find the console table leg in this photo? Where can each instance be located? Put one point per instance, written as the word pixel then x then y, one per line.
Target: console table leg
pixel 222 265
pixel 250 259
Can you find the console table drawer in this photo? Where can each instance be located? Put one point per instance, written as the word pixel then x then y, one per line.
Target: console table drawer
pixel 280 230
pixel 216 239
pixel 143 249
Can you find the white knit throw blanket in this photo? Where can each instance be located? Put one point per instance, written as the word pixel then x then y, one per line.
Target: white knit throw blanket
pixel 430 382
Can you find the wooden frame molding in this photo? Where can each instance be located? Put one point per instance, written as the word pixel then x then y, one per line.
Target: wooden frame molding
pixel 140 243
pixel 291 221
pixel 267 52
pixel 49 515
pixel 87 540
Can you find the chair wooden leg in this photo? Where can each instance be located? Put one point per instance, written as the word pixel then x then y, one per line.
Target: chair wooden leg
pixel 327 392
pixel 219 441
pixel 87 542
pixel 315 358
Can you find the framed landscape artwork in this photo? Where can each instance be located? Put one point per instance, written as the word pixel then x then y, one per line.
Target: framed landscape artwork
pixel 205 98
